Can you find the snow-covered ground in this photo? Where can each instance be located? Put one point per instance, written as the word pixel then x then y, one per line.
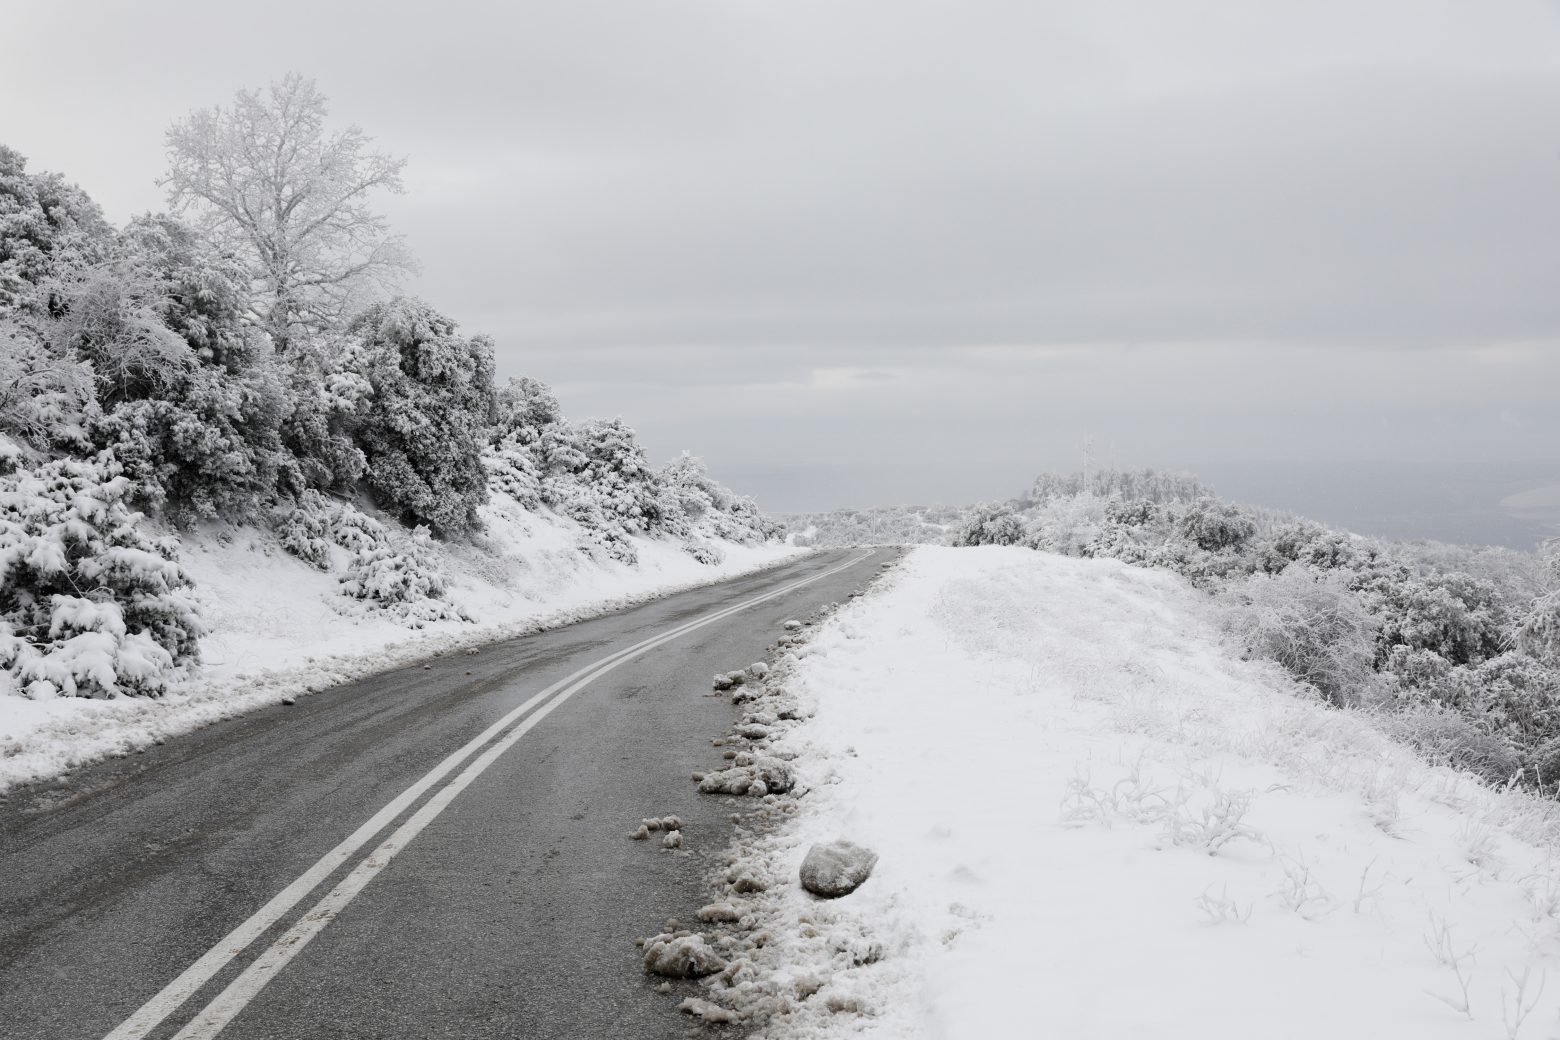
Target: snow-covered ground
pixel 1095 821
pixel 280 628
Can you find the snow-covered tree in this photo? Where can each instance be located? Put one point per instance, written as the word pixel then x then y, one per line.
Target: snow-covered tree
pixel 423 425
pixel 269 180
pixel 46 225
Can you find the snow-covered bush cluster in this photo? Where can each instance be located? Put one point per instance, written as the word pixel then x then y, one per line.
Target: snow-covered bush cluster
pixel 1460 645
pixel 245 359
pixel 596 473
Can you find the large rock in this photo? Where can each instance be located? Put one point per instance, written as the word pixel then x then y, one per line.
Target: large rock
pixel 836 868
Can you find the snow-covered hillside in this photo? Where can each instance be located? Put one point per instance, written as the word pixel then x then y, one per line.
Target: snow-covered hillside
pixel 1095 821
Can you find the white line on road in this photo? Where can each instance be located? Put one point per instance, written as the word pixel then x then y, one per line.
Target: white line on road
pixel 231 1000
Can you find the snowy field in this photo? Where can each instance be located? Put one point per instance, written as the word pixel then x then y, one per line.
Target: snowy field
pixel 280 628
pixel 1095 821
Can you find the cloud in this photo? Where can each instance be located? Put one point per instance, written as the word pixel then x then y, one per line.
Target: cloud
pixel 932 245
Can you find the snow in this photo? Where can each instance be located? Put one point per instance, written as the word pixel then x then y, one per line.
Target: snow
pixel 279 628
pixel 1094 820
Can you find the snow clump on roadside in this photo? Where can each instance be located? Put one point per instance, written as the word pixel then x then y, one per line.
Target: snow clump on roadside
pixel 790 957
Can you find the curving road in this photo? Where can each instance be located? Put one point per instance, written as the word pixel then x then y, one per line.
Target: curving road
pixel 435 852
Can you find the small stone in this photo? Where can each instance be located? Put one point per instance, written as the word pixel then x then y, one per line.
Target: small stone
pixel 289 700
pixel 836 868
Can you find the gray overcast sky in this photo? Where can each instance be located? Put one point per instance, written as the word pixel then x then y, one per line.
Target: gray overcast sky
pixel 855 253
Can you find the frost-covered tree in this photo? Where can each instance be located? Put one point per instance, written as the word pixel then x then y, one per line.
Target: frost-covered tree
pixel 426 417
pixel 269 180
pixel 46 226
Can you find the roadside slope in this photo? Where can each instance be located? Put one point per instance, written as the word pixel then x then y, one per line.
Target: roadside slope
pixel 1095 821
pixel 279 629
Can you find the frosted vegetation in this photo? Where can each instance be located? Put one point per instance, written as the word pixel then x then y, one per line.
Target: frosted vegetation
pixel 1456 648
pixel 244 358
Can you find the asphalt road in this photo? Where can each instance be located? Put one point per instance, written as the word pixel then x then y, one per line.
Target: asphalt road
pixel 512 914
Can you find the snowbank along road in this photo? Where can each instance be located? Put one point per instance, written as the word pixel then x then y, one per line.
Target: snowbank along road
pixel 437 851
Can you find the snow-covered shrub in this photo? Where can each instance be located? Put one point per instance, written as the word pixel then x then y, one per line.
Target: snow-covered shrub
pixel 45 395
pixel 1312 545
pixel 209 449
pixel 306 528
pixel 11 456
pixel 512 470
pixel 325 396
pixel 1446 737
pixel 1453 614
pixel 1512 693
pixel 704 553
pixel 991 524
pixel 1537 631
pixel 1068 525
pixel 423 428
pixel 694 503
pixel 90 603
pixel 626 488
pixel 1312 625
pixel 401 577
pixel 602 537
pixel 1215 526
pixel 534 454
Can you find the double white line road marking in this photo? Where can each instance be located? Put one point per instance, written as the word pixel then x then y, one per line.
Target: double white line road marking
pixel 216 1015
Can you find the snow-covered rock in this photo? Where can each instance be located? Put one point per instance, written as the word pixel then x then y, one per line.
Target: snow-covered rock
pixel 836 868
pixel 681 956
